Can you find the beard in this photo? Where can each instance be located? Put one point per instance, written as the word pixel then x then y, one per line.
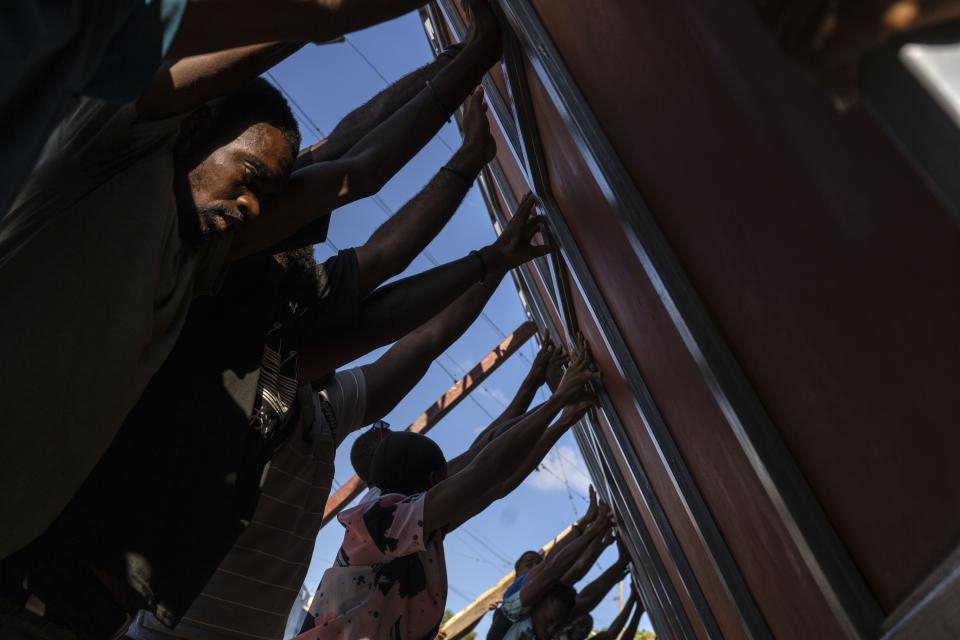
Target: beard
pixel 216 219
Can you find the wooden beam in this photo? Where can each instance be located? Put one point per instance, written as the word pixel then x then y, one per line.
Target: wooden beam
pixel 436 412
pixel 476 609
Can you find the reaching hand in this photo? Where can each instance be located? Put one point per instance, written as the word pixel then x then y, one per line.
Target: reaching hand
pixel 484 29
pixel 592 509
pixel 538 370
pixel 555 368
pixel 573 386
pixel 514 246
pixel 477 138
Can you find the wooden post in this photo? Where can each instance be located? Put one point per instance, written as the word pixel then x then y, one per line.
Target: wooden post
pixel 436 412
pixel 476 609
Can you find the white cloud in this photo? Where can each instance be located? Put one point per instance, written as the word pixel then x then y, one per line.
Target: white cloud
pixel 563 462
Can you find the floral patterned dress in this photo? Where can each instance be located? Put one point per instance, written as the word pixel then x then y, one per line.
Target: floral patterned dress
pixel 388 582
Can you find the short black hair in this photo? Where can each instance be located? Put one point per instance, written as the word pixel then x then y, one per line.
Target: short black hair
pixel 516 565
pixel 256 102
pixel 404 462
pixel 361 453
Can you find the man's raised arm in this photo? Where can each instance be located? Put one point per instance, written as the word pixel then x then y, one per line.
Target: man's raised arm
pixel 395 244
pixel 391 377
pixel 462 496
pixel 591 595
pixel 613 631
pixel 392 311
pixel 215 25
pixel 366 167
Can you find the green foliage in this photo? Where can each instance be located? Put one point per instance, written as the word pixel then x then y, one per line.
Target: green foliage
pixel 645 635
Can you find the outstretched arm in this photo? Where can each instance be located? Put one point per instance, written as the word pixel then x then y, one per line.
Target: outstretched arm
pixel 354 126
pixel 542 577
pixel 515 411
pixel 215 25
pixel 182 86
pixel 395 244
pixel 584 563
pixel 591 595
pixel 366 167
pixel 611 632
pixel 535 378
pixel 631 631
pixel 470 491
pixel 394 310
pixel 391 377
pixel 365 118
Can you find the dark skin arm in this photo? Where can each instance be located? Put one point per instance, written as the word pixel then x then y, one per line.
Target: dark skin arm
pixel 611 632
pixel 593 511
pixel 516 410
pixel 394 310
pixel 354 126
pixel 591 595
pixel 631 631
pixel 534 379
pixel 458 498
pixel 215 25
pixel 366 167
pixel 395 373
pixel 185 85
pixel 542 577
pixel 362 120
pixel 583 564
pixel 395 244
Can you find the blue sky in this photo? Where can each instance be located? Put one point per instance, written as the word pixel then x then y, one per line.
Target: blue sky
pixel 327 82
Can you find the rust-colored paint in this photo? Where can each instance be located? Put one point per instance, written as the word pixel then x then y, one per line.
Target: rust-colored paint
pixel 825 261
pixel 439 409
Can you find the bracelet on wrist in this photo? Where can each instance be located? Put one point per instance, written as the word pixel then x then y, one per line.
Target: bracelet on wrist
pixel 483 265
pixel 460 174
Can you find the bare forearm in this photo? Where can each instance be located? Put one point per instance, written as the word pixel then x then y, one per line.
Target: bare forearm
pixel 521 400
pixel 591 595
pixel 556 563
pixel 631 631
pixel 389 146
pixel 319 188
pixel 359 122
pixel 533 458
pixel 510 450
pixel 390 313
pixel 583 564
pixel 462 496
pixel 613 631
pixel 215 25
pixel 399 240
pixel 394 374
